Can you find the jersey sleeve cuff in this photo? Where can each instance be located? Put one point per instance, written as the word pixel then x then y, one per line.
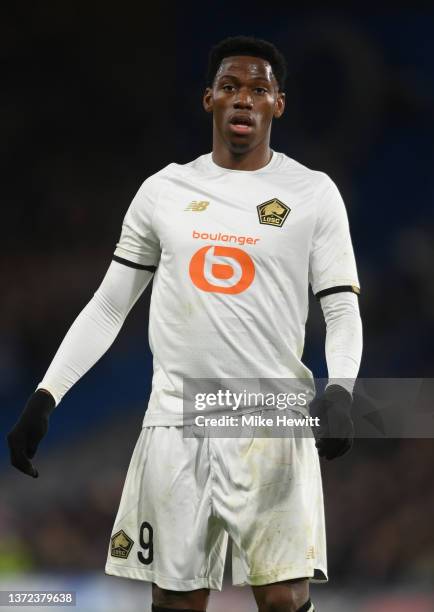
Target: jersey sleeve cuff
pixel 133 264
pixel 145 258
pixel 338 289
pixel 43 387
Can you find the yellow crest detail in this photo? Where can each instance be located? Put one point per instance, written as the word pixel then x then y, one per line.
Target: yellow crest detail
pixel 121 544
pixel 273 212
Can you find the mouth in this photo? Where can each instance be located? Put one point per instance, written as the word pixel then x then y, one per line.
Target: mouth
pixel 241 124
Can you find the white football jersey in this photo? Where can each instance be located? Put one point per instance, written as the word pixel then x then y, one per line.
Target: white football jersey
pixel 234 253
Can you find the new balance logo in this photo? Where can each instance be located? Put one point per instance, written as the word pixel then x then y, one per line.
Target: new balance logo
pixel 198 206
pixel 310 553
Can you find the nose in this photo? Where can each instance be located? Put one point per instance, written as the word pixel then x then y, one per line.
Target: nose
pixel 243 99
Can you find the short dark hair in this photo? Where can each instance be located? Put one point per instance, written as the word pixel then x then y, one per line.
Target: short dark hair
pixel 247 45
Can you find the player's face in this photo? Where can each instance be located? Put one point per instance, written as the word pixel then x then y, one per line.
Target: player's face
pixel 244 99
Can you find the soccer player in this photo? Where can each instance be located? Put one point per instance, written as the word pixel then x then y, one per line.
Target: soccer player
pixel 232 241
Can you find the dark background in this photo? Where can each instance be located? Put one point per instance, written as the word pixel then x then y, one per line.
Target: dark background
pixel 97 97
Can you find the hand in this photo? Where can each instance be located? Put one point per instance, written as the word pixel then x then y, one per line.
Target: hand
pixel 24 438
pixel 335 434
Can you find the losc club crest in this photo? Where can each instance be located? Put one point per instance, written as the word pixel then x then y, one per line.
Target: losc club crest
pixel 121 544
pixel 273 212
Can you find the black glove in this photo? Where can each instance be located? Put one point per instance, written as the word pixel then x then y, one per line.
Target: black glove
pixel 335 434
pixel 31 427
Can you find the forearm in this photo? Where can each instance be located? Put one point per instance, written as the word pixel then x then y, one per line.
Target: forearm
pixel 95 328
pixel 344 338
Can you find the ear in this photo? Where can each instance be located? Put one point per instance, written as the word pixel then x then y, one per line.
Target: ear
pixel 279 106
pixel 208 100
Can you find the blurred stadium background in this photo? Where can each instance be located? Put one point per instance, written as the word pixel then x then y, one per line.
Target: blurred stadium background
pixel 97 97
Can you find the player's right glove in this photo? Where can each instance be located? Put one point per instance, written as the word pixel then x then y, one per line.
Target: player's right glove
pixel 31 427
pixel 335 434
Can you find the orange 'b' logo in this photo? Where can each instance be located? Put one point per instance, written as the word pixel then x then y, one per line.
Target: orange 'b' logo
pixel 222 269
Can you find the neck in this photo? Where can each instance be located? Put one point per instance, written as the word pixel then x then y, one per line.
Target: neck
pixel 250 160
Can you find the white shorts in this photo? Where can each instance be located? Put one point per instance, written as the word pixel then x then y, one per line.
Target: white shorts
pixel 183 496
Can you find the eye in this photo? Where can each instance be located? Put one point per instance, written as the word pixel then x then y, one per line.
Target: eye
pixel 260 90
pixel 228 88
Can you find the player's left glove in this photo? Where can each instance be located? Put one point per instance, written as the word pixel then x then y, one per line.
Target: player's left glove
pixel 335 434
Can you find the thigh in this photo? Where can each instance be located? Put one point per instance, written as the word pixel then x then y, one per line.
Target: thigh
pixel 188 600
pixel 287 595
pixel 164 531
